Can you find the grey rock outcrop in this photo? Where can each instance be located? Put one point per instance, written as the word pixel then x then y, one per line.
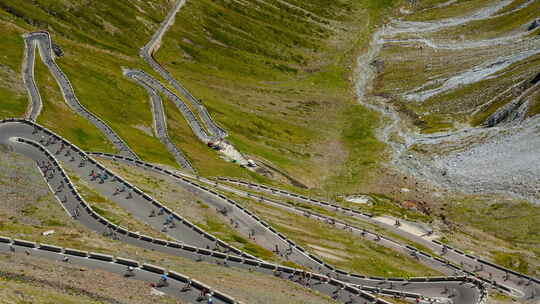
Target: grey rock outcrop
pixel 534 25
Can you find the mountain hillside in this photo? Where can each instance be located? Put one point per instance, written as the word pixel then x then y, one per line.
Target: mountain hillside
pixel 270 81
pixel 279 151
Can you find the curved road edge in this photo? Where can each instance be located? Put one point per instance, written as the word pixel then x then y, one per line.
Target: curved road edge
pixel 371 284
pixel 177 283
pixel 42 40
pixel 339 290
pixel 500 276
pixel 160 122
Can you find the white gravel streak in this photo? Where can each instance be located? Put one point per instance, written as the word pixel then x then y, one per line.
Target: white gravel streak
pixel 461 45
pixel 476 74
pixel 399 27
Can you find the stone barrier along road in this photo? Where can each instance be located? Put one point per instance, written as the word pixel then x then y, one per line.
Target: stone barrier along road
pixel 325 285
pixel 139 204
pixel 152 273
pixel 160 124
pixel 250 227
pixel 44 43
pixel 152 46
pixel 377 283
pixel 211 255
pixel 117 265
pixel 498 274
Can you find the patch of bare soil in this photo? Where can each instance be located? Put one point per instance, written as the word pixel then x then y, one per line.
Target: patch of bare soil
pixel 86 284
pixel 11 80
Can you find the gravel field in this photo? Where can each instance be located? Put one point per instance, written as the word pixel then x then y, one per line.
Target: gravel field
pixel 508 162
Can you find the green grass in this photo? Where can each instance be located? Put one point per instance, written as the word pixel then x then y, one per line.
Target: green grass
pixel 512 222
pixel 226 234
pixel 276 80
pixel 455 10
pixel 365 151
pixel 13 101
pixel 505 219
pixel 106 25
pixel 351 252
pixel 512 260
pixel 277 77
pixel 13 105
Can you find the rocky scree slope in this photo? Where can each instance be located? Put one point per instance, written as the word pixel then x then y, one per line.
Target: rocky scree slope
pixel 459 84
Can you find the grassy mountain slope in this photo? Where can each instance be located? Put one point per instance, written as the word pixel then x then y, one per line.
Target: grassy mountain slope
pixel 276 75
pixel 98 39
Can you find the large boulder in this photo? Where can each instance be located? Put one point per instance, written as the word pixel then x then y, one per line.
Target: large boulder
pixel 536 79
pixel 534 25
pixel 57 50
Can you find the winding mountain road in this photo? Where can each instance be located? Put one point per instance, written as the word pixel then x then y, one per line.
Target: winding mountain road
pixel 269 238
pixel 466 283
pixel 148 81
pixel 514 283
pixel 152 46
pixel 158 116
pixel 46 148
pixel 51 147
pixel 214 132
pixel 42 40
